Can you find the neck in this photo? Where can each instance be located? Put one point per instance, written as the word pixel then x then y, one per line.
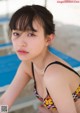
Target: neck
pixel 40 61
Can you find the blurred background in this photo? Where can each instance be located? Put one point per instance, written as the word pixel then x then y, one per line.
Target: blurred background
pixel 67 22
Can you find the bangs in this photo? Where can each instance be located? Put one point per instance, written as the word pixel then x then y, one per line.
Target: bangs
pixel 22 23
pixel 24 18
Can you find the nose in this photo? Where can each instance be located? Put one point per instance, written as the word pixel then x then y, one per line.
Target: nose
pixel 22 41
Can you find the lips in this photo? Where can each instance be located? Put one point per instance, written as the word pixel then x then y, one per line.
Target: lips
pixel 22 52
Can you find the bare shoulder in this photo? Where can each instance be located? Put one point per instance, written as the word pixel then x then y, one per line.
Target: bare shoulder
pixel 56 73
pixel 56 82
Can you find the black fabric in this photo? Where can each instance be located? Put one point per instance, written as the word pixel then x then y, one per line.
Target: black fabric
pixel 57 62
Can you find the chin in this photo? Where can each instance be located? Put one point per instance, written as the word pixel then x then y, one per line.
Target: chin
pixel 23 58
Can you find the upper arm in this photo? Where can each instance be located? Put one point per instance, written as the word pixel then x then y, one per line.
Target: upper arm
pixel 59 89
pixel 20 80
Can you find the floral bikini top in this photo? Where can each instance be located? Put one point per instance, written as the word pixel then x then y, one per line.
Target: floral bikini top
pixel 47 101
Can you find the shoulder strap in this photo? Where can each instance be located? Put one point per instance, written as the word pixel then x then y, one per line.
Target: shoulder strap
pixel 33 71
pixel 57 62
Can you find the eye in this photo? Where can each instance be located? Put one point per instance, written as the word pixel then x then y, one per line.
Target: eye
pixel 31 35
pixel 16 34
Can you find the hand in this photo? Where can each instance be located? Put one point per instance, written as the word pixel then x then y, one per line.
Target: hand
pixel 42 109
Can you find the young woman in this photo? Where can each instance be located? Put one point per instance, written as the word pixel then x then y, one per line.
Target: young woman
pixel 56 84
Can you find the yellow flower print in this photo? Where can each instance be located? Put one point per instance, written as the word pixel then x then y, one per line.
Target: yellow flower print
pixel 78 90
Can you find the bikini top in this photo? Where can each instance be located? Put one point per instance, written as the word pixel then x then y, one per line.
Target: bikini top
pixel 47 101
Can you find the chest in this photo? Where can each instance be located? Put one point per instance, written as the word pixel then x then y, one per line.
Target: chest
pixel 40 86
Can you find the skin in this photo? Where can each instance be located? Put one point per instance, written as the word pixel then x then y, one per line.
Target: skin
pixel 32 47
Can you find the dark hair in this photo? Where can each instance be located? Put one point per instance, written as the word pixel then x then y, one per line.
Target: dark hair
pixel 23 19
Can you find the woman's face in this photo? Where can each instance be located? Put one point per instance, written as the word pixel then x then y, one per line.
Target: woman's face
pixel 29 44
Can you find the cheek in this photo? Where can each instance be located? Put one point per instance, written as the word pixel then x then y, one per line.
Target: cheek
pixel 37 47
pixel 14 44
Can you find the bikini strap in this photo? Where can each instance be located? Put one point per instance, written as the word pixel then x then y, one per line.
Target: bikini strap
pixel 33 72
pixel 57 62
